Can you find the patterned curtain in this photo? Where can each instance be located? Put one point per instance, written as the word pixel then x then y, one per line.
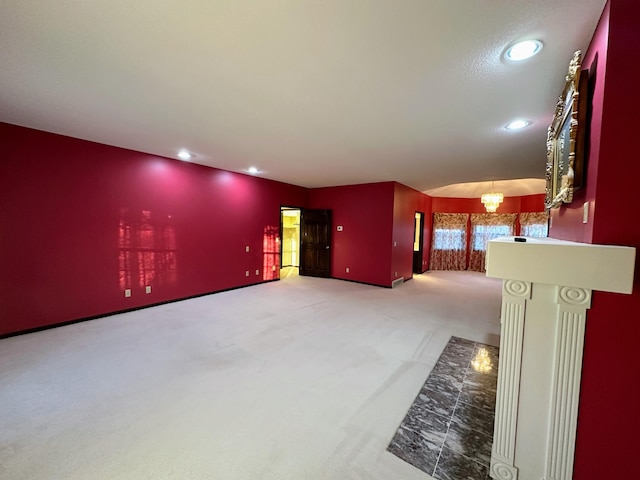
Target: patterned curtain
pixel 534 224
pixel 449 244
pixel 485 227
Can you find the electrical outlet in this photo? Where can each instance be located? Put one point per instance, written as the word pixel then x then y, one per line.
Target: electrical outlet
pixel 148 289
pixel 246 274
pixel 127 293
pixel 257 272
pixel 585 212
pixel 395 244
pixel 274 268
pixel 246 249
pixel 396 274
pixel 347 269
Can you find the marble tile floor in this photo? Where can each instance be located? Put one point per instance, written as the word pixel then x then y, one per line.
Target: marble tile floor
pixel 448 430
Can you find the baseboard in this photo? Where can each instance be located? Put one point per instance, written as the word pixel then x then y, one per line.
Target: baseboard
pixel 126 310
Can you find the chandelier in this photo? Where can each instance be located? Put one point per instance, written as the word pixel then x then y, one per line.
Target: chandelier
pixel 492 200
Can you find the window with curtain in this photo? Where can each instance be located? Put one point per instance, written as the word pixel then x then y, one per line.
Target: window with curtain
pixel 486 227
pixel 534 224
pixel 449 244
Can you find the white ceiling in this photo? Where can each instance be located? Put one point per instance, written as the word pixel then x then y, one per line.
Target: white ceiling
pixel 313 93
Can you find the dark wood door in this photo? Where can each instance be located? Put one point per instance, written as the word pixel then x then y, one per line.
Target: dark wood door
pixel 315 243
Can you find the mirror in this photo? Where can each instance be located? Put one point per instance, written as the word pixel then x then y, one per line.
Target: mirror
pixel 565 138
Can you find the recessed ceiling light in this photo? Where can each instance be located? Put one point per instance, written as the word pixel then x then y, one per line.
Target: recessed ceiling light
pixel 253 170
pixel 517 124
pixel 523 50
pixel 184 155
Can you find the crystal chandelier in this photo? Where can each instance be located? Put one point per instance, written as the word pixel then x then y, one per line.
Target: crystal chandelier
pixel 491 201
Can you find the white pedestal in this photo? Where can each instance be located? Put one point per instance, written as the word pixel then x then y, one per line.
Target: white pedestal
pixel 546 292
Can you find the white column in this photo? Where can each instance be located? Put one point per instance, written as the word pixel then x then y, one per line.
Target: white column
pixel 546 295
pixel 514 297
pixel 565 391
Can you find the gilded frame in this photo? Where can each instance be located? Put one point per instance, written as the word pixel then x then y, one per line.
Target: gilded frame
pixel 564 172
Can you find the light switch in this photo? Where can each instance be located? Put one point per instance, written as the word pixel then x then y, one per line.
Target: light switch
pixel 127 293
pixel 148 289
pixel 246 249
pixel 585 212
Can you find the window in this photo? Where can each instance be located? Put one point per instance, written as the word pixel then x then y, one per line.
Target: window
pixel 535 224
pixel 449 244
pixel 484 228
pixel 449 238
pixel 539 231
pixel 483 233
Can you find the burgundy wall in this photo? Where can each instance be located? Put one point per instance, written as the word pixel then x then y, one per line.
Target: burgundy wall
pixel 407 202
pixel 608 419
pixel 527 203
pixel 63 200
pixel 366 213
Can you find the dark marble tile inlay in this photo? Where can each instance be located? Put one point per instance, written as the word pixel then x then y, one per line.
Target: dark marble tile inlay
pixel 448 430
pixel 453 466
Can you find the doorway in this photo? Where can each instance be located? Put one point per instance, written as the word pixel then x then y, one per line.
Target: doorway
pixel 290 245
pixel 418 242
pixel 315 243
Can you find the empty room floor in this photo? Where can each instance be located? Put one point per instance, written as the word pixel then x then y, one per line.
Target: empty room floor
pixel 304 378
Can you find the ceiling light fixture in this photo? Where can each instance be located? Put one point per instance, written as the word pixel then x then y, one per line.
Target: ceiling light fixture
pixel 517 124
pixel 523 50
pixel 492 200
pixel 184 155
pixel 253 170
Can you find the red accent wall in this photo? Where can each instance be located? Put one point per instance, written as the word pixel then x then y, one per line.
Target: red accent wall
pixel 608 420
pixel 70 209
pixel 406 203
pixel 526 203
pixel 366 213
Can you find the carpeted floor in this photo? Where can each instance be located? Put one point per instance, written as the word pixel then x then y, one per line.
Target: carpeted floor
pixel 299 379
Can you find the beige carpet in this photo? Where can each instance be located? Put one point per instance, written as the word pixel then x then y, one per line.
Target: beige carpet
pixel 299 379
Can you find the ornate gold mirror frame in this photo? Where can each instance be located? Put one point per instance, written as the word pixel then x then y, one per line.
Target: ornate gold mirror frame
pixel 565 138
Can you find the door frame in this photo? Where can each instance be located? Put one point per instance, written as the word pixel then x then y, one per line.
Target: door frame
pixel 286 207
pixel 421 244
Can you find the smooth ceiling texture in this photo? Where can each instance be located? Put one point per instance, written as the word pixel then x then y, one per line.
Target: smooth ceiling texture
pixel 313 93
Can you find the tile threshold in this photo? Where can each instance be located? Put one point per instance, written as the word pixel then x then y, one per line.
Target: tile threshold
pixel 448 430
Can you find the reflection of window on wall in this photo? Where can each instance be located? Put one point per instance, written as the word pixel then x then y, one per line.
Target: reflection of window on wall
pixel 147 249
pixel 534 224
pixel 270 253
